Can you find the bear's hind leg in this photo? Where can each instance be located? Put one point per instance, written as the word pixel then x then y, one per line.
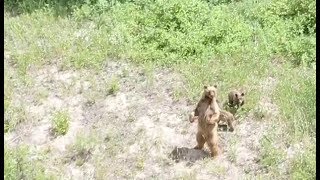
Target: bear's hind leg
pixel 200 141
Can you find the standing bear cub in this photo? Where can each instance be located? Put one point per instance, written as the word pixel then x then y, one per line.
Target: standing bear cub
pixel 236 99
pixel 207 113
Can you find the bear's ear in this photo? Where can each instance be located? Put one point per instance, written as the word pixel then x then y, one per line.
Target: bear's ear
pixel 242 94
pixel 215 86
pixel 236 94
pixel 205 87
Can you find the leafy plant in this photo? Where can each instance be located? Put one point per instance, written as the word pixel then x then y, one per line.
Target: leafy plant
pixel 61 121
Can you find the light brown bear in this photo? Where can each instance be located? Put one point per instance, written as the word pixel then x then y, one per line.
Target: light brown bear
pixel 207 113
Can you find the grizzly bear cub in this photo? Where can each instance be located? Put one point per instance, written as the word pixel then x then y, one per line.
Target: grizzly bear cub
pixel 227 117
pixel 236 99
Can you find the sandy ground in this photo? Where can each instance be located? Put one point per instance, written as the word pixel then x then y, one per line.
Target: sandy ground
pixel 130 133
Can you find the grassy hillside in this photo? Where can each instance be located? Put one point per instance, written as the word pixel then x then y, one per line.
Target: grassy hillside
pixel 266 48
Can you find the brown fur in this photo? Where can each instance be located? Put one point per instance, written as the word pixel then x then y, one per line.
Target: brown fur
pixel 220 104
pixel 207 113
pixel 226 116
pixel 236 98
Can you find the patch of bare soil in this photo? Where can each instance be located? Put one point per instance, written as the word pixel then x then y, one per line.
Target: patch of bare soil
pixel 135 129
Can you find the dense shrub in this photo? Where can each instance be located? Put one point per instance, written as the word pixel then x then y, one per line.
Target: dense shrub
pixel 290 28
pixel 177 31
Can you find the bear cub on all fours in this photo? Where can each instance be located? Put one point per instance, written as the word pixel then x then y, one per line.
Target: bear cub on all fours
pixel 207 113
pixel 227 117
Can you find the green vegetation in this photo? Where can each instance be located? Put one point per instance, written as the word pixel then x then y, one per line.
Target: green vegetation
pixel 271 156
pixel 298 100
pixel 114 86
pixel 304 165
pixel 61 121
pixel 230 43
pixel 81 149
pixel 19 165
pixel 84 143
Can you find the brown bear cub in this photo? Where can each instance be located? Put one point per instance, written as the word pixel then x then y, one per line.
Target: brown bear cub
pixel 207 113
pixel 236 99
pixel 227 117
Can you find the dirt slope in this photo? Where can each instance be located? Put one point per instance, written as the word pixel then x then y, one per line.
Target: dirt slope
pixel 128 134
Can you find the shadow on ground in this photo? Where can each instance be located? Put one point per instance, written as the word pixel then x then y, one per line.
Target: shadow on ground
pixel 188 154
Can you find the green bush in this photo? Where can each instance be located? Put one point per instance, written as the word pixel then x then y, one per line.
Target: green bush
pixel 289 28
pixel 19 165
pixel 173 31
pixel 61 121
pixel 29 6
